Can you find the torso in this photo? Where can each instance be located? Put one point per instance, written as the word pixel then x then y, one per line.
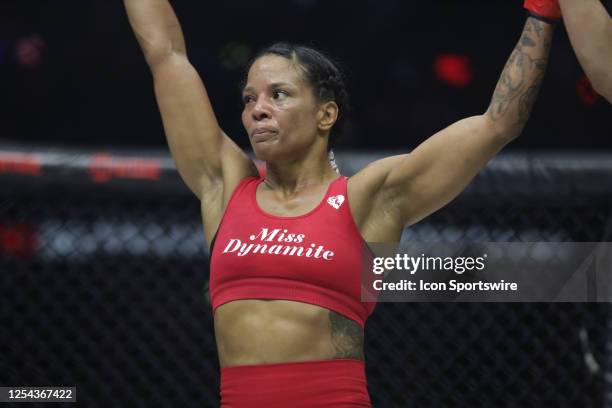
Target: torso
pixel 252 331
pixel 259 331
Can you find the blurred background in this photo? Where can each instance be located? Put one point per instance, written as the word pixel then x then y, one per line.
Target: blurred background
pixel 71 71
pixel 103 264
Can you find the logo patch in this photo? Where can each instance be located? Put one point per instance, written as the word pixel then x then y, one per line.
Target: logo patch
pixel 335 201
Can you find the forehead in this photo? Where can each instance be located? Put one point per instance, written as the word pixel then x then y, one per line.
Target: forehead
pixel 274 69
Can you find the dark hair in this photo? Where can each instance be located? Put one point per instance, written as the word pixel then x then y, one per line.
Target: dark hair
pixel 321 72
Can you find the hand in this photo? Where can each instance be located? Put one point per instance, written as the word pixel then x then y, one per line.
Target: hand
pixel 547 10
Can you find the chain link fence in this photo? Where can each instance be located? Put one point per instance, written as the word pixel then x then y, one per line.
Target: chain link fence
pixel 103 278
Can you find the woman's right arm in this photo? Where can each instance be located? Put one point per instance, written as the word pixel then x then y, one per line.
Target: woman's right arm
pixel 196 141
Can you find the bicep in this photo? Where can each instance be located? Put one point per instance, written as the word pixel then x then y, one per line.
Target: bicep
pixel 196 141
pixel 441 167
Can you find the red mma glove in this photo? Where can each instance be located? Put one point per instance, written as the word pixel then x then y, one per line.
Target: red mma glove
pixel 545 10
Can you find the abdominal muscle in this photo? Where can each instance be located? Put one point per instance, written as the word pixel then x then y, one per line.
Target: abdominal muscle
pixel 257 331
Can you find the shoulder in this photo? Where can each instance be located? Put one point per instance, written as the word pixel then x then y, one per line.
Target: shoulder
pixel 373 178
pixel 369 193
pixel 238 186
pixel 216 202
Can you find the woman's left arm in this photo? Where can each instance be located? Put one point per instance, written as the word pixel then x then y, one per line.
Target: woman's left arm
pixel 419 183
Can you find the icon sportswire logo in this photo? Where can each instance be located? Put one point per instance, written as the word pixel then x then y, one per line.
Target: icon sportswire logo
pixel 336 201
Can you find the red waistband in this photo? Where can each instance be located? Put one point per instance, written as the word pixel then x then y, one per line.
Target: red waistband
pixel 339 383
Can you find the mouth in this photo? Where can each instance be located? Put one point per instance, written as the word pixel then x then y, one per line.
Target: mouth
pixel 263 134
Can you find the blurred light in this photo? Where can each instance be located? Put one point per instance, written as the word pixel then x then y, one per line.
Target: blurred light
pixel 104 167
pixel 454 69
pixel 29 51
pixel 20 163
pixel 585 91
pixel 18 240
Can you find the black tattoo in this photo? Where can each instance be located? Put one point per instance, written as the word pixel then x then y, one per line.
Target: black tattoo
pixel 510 84
pixel 522 76
pixel 346 336
pixel 540 65
pixel 527 42
pixel 527 100
pixel 534 26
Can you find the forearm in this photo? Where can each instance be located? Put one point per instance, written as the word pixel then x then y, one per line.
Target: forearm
pixel 590 31
pixel 156 28
pixel 521 79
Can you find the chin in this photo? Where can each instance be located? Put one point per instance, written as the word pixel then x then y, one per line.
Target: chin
pixel 266 151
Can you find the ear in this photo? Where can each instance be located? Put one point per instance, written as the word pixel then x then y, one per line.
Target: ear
pixel 327 115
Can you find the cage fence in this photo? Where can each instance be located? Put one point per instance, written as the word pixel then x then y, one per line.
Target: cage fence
pixel 104 270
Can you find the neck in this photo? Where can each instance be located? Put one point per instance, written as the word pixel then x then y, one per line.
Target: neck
pixel 296 175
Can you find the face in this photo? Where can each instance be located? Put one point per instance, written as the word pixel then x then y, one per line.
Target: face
pixel 280 111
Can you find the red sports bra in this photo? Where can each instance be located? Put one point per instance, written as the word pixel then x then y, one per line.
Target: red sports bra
pixel 314 258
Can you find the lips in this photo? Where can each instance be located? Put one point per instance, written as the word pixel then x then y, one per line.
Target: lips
pixel 263 134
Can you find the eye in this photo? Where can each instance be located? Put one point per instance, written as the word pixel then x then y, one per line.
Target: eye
pixel 279 94
pixel 247 99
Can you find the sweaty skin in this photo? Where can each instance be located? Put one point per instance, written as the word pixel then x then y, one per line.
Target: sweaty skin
pixel 289 129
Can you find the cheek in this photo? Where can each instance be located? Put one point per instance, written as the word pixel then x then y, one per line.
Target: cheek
pixel 296 116
pixel 307 121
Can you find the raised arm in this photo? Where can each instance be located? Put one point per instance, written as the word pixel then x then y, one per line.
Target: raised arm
pixel 195 139
pixel 520 81
pixel 590 31
pixel 409 187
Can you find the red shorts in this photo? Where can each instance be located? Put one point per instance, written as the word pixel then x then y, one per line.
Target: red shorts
pixel 337 383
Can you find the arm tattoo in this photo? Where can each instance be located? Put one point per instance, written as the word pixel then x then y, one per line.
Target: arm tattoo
pixel 534 26
pixel 527 42
pixel 346 336
pixel 527 100
pixel 522 76
pixel 510 84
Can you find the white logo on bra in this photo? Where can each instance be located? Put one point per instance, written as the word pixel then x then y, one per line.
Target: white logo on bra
pixel 335 201
pixel 278 242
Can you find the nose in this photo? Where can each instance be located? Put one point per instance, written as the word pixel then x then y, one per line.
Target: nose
pixel 261 110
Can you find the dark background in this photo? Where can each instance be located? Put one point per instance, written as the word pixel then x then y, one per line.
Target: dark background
pixel 71 71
